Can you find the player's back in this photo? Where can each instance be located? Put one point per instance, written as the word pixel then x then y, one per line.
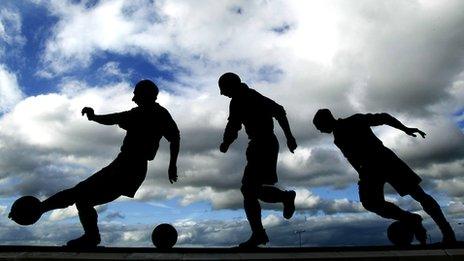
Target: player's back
pixel 354 137
pixel 256 112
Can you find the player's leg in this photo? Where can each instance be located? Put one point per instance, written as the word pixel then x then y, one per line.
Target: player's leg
pixel 253 214
pixel 431 207
pixel 372 198
pixel 271 194
pixel 89 218
pixel 61 199
pixel 68 197
pixel 264 164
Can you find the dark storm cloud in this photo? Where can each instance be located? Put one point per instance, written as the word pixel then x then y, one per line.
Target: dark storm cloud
pixel 323 167
pixel 411 53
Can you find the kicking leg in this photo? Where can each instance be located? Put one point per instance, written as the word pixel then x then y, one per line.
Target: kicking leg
pixel 271 194
pixel 432 208
pixel 62 199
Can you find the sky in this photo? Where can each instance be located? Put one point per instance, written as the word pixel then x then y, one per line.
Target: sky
pixel 405 58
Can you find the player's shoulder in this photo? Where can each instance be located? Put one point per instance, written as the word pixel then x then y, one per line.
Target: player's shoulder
pixel 355 117
pixel 258 97
pixel 254 93
pixel 161 112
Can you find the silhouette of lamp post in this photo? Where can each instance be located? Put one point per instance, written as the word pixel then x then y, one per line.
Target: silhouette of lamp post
pixel 299 232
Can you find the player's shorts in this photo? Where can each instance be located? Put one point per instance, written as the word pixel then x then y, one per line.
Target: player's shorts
pixel 123 176
pixel 261 165
pixel 390 169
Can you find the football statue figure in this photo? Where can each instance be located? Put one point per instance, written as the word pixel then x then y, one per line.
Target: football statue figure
pixel 256 112
pixel 376 165
pixel 145 125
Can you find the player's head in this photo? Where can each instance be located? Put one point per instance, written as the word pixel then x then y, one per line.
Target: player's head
pixel 145 92
pixel 229 83
pixel 324 121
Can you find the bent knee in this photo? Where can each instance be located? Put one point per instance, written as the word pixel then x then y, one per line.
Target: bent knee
pixel 83 204
pixel 373 206
pixel 420 195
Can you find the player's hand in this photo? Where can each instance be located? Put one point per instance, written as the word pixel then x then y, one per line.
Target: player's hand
pixel 223 147
pixel 172 173
pixel 413 131
pixel 291 144
pixel 89 112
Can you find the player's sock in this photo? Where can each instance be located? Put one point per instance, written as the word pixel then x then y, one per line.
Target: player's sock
pixel 256 239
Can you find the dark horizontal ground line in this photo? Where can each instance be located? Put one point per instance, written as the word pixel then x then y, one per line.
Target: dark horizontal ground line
pixel 20 248
pixel 365 253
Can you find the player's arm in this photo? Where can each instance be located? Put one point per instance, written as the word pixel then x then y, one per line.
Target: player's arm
pixel 281 117
pixel 172 134
pixel 387 119
pixel 233 126
pixel 106 119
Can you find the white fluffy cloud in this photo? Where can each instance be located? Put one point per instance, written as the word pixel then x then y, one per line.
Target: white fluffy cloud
pixel 10 92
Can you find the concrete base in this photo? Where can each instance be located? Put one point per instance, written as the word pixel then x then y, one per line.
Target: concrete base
pixel 328 253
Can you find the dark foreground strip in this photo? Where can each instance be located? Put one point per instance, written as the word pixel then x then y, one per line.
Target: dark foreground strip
pixel 308 253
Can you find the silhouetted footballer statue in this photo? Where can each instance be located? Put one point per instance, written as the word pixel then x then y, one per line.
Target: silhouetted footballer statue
pixel 145 125
pixel 256 113
pixel 377 164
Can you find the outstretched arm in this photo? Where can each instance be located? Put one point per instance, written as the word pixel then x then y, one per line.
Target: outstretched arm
pixel 106 119
pixel 385 118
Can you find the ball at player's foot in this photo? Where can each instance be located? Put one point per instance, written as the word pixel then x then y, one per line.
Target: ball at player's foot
pixel 25 210
pixel 400 233
pixel 164 236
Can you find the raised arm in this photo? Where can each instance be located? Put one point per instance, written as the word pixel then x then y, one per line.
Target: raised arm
pixel 106 119
pixel 385 118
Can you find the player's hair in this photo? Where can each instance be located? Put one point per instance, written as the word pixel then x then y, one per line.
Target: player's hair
pixel 229 79
pixel 321 117
pixel 147 89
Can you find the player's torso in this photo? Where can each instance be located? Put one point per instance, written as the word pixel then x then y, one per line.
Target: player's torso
pixel 357 141
pixel 144 132
pixel 254 114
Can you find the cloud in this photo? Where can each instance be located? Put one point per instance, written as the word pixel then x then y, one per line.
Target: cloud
pixel 184 32
pixel 60 214
pixel 399 57
pixel 114 215
pixel 10 92
pixel 71 211
pixel 407 57
pixel 304 82
pixel 10 31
